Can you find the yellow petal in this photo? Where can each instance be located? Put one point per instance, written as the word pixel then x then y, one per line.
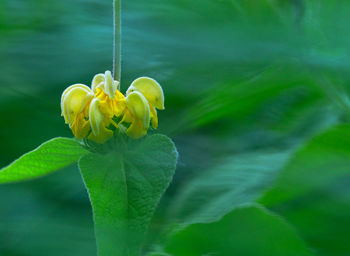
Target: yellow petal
pixel 127 117
pixel 98 122
pixel 118 104
pixel 99 92
pixel 154 117
pixel 95 116
pixel 136 130
pixel 75 101
pixel 80 127
pixel 139 108
pixel 97 80
pixel 150 89
pixel 67 90
pixel 110 86
pixel 105 134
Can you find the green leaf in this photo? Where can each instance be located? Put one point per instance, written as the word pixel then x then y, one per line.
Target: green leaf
pixel 234 182
pixel 125 188
pixel 50 156
pixel 312 192
pixel 322 217
pixel 245 231
pixel 324 159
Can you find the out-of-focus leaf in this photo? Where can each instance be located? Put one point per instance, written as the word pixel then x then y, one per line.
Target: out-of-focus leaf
pixel 267 89
pixel 236 181
pixel 245 231
pixel 47 216
pixel 322 217
pixel 51 156
pixel 324 159
pixel 312 192
pixel 124 189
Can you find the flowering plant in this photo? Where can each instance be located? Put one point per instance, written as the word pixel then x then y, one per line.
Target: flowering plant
pixel 125 171
pixel 126 179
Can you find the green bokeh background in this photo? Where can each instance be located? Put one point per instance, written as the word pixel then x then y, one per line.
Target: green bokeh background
pixel 239 76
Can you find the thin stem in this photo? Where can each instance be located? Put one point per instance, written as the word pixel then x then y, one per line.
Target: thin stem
pixel 117 40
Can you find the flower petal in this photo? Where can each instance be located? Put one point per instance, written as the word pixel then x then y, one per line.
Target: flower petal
pixel 98 79
pixel 75 101
pixel 95 116
pixel 67 90
pixel 105 134
pixel 154 117
pixel 151 89
pixel 136 129
pixel 98 121
pixel 80 127
pixel 110 86
pixel 139 108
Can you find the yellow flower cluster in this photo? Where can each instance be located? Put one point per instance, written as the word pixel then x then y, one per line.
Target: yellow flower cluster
pixel 93 112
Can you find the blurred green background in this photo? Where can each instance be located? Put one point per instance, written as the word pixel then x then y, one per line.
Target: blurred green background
pixel 247 83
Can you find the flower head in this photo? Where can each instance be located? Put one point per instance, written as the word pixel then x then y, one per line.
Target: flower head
pixel 96 112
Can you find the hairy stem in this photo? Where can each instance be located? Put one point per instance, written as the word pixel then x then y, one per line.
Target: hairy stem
pixel 117 40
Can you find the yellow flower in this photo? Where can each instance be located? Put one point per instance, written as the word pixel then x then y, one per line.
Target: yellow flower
pixel 106 89
pixel 108 103
pixel 99 123
pixel 75 103
pixel 153 93
pixel 138 114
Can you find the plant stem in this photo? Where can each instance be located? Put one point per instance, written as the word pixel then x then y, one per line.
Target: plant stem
pixel 117 40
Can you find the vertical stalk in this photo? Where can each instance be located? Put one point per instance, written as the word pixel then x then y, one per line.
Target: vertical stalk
pixel 117 40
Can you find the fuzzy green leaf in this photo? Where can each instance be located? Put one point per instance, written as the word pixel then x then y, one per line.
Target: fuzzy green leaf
pixel 125 188
pixel 50 156
pixel 245 231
